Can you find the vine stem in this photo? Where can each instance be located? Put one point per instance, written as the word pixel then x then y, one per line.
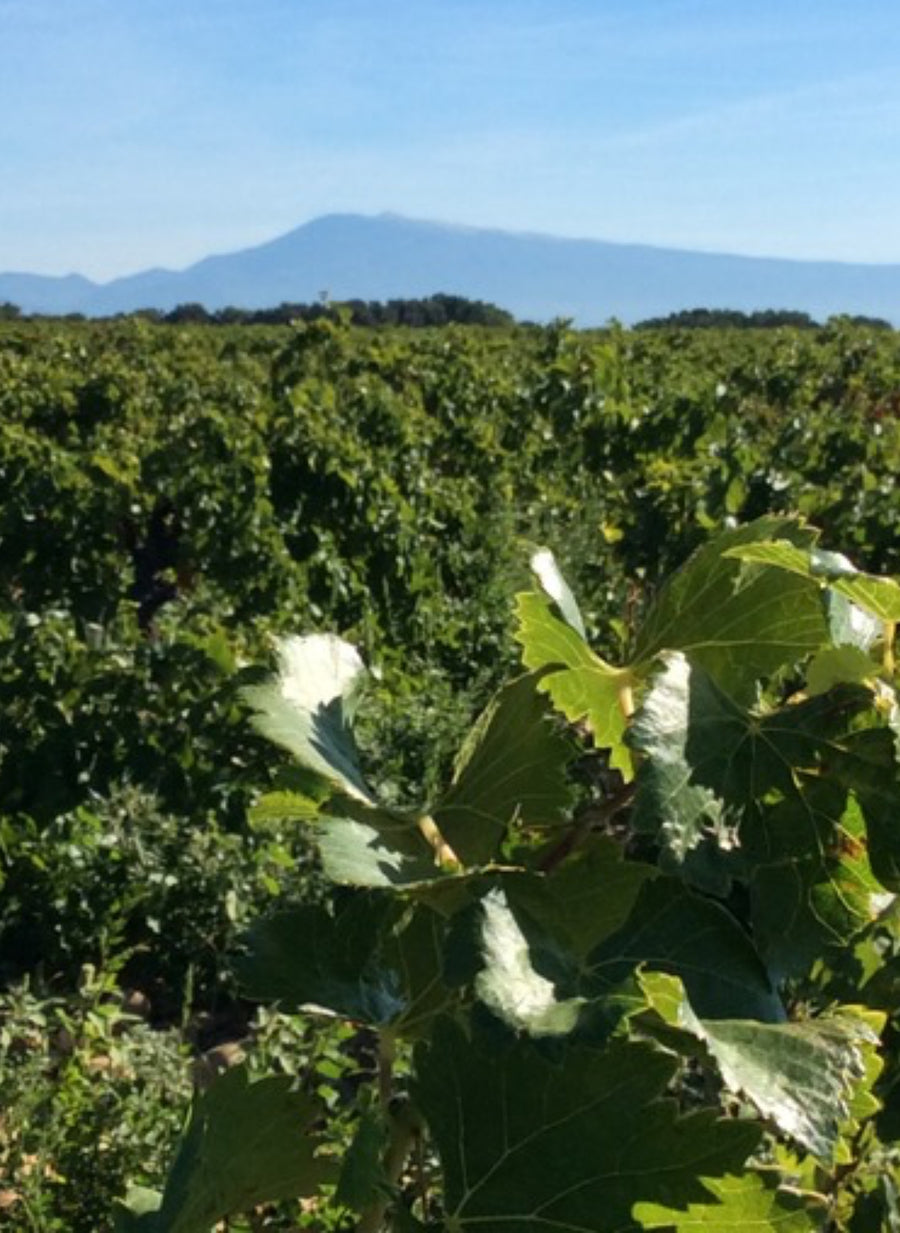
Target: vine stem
pixel 591 819
pixel 387 1051
pixel 444 855
pixel 626 699
pixel 890 629
pixel 404 1129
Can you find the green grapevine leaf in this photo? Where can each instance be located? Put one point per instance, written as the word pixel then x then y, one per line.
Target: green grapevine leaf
pixel 837 665
pixel 812 1078
pixel 375 847
pixel 246 1144
pixel 307 709
pixel 811 883
pixel 806 1076
pixel 746 1204
pixel 801 1075
pixel 674 930
pixel 880 597
pixel 543 1148
pixel 741 621
pixel 512 769
pixel 584 900
pixel 580 684
pixel 308 957
pixel 729 792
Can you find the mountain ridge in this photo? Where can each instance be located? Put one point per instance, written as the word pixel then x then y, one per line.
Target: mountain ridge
pixel 534 276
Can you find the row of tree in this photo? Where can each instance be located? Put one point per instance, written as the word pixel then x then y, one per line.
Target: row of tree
pixel 442 309
pixel 728 318
pixel 435 310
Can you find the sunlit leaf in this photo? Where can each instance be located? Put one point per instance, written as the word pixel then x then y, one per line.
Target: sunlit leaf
pixel 508 983
pixel 688 818
pixel 544 566
pixel 747 1204
pixel 838 665
pixel 812 1078
pixel 375 848
pixel 579 683
pixel 307 709
pixel 880 597
pixel 740 620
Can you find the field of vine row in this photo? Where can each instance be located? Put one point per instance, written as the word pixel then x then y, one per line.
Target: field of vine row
pixel 621 953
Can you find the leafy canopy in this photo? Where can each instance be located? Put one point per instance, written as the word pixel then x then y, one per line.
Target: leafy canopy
pixel 621 1002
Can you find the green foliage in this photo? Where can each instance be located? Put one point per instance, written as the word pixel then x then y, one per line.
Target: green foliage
pixel 92 1098
pixel 387 485
pixel 246 1143
pixel 596 1044
pixel 530 1143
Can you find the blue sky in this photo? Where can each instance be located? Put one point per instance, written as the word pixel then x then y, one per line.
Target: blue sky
pixel 153 132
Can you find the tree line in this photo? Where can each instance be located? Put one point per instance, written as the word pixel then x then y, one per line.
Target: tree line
pixel 434 310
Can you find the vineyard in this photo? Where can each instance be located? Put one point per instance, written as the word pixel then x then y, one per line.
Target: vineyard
pixel 448 778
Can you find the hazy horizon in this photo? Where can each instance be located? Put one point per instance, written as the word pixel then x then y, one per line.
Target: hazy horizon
pixel 452 226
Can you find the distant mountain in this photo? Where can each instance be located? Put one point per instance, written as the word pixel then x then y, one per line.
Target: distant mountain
pixel 536 277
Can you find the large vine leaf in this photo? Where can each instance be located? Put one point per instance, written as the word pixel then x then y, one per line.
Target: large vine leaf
pixel 674 930
pixel 512 769
pixel 800 1075
pixel 246 1144
pixel 583 901
pixel 310 957
pixel 727 792
pixel 374 848
pixel 811 1078
pixel 701 750
pixel 581 685
pixel 880 597
pixel 307 709
pixel 740 620
pixel 811 884
pixel 742 756
pixel 746 1204
pixel 543 1148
